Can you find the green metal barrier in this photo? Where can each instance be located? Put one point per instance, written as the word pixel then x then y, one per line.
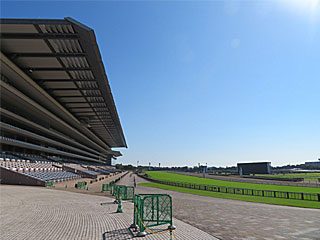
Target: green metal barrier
pixel 107 187
pixel 81 185
pixel 49 184
pixel 124 192
pixel 152 210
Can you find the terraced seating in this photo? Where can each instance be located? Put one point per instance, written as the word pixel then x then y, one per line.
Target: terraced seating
pixel 98 170
pixel 22 165
pixel 53 176
pixel 109 169
pixel 76 166
pixel 105 171
pixel 91 172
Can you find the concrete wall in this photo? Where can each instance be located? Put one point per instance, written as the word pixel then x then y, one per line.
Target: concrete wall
pixel 11 177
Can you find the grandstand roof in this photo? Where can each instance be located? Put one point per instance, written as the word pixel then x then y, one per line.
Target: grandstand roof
pixel 63 58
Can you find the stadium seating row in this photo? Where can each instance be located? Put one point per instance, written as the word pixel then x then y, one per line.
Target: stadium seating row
pixel 53 176
pixel 28 166
pixel 51 171
pixel 91 172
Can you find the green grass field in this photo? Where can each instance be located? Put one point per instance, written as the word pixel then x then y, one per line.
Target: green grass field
pixel 267 200
pixel 190 179
pixel 308 177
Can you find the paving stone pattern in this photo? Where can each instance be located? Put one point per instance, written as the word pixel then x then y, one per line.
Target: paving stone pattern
pixel 37 213
pixel 236 220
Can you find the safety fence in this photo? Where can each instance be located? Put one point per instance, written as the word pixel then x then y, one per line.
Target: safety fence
pixel 107 187
pixel 123 192
pixel 81 185
pixel 242 191
pixel 49 184
pixel 152 210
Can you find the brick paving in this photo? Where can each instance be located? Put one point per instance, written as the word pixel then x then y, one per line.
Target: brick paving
pixel 28 213
pixel 232 219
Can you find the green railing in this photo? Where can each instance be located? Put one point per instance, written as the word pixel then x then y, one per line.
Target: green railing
pixel 81 185
pixel 123 192
pixel 49 184
pixel 107 187
pixel 152 210
pixel 242 191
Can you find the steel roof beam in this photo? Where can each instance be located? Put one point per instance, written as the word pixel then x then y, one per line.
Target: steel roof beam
pixel 85 107
pixel 34 21
pixel 65 80
pixel 39 36
pixel 98 111
pixel 81 102
pixel 15 55
pixel 57 69
pixel 73 89
pixel 76 97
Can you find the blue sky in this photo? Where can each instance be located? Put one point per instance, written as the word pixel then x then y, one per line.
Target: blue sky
pixel 215 82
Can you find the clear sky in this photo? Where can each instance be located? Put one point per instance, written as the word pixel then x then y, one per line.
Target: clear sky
pixel 215 82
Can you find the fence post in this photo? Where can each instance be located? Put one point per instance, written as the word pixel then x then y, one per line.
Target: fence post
pixel 319 197
pixel 262 193
pixel 287 195
pixel 301 196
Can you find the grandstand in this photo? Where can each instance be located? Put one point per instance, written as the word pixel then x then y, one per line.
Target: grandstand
pixel 59 121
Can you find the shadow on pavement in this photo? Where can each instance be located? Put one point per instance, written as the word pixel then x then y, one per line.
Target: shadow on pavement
pixel 120 234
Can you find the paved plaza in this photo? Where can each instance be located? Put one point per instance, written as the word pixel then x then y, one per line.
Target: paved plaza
pixel 232 219
pixel 40 213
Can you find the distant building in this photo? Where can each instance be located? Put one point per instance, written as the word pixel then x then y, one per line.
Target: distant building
pixel 254 168
pixel 313 163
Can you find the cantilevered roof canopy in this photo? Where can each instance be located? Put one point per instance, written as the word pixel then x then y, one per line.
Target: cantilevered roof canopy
pixel 62 57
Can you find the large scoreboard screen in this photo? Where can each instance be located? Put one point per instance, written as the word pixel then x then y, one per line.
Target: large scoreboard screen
pixel 254 168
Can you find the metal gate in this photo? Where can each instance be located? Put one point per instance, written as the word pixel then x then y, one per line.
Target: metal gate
pixel 107 187
pixel 124 192
pixel 81 185
pixel 152 210
pixel 49 184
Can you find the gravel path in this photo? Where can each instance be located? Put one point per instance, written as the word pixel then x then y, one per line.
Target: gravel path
pixel 232 219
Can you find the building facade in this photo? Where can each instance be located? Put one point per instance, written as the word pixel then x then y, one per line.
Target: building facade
pixel 56 102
